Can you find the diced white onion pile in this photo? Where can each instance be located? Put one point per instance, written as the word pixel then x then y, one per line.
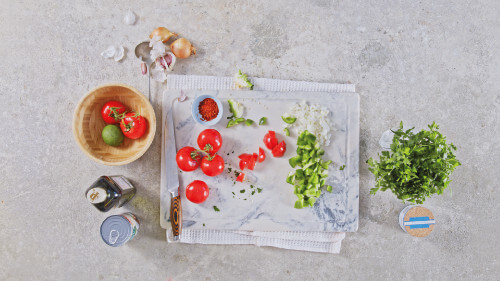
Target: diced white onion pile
pixel 313 118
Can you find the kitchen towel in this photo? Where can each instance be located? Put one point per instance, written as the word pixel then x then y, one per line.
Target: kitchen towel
pixel 313 241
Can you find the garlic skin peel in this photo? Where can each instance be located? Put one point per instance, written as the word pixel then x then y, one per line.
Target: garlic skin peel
pixel 117 53
pixel 130 18
pixel 109 52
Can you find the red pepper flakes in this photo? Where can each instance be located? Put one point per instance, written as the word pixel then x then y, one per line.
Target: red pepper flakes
pixel 208 109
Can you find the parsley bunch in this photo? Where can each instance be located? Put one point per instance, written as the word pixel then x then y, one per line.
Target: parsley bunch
pixel 417 166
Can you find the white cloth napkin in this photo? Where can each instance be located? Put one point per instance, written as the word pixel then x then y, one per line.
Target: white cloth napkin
pixel 313 241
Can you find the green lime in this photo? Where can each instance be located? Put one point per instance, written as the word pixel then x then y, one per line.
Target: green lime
pixel 112 135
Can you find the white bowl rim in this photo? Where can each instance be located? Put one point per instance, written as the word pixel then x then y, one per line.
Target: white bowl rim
pixel 195 113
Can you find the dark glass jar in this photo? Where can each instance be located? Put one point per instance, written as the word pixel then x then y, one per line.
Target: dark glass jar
pixel 107 193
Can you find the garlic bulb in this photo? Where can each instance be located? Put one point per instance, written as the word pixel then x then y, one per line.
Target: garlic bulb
pixel 158 49
pixel 166 62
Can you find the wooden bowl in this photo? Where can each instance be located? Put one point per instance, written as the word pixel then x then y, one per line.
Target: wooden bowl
pixel 88 125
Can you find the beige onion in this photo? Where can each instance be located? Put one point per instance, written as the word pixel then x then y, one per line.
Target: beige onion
pixel 182 48
pixel 163 33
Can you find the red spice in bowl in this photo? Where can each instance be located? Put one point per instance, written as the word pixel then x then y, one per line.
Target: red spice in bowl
pixel 208 109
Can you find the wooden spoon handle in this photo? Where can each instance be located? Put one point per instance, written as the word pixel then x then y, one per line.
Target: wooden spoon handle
pixel 176 216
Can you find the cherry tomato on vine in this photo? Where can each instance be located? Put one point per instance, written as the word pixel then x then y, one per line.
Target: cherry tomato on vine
pixel 112 111
pixel 270 140
pixel 212 165
pixel 210 140
pixel 188 159
pixel 133 125
pixel 197 191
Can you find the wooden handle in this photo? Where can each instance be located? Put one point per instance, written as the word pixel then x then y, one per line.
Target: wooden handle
pixel 176 216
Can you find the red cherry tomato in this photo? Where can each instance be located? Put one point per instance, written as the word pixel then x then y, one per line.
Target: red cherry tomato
pixel 133 125
pixel 210 138
pixel 279 150
pixel 240 177
pixel 197 191
pixel 270 140
pixel 188 159
pixel 245 157
pixel 111 111
pixel 244 160
pixel 243 164
pixel 212 167
pixel 262 155
pixel 252 162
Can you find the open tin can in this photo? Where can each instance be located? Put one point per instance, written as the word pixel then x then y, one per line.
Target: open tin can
pixel 119 229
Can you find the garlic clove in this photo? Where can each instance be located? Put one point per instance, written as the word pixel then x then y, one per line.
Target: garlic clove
pixel 170 59
pixel 130 17
pixel 182 97
pixel 166 62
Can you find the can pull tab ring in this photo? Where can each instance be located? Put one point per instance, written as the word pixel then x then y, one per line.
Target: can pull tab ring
pixel 113 236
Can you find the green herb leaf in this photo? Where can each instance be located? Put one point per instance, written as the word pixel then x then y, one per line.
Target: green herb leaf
pixel 249 122
pixel 263 121
pixel 242 191
pixel 289 120
pixel 342 168
pixel 417 166
pixel 216 209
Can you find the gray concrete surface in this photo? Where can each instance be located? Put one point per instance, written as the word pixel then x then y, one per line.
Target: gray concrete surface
pixel 416 61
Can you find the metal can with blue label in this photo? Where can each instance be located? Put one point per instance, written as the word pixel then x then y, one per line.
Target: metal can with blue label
pixel 119 229
pixel 417 220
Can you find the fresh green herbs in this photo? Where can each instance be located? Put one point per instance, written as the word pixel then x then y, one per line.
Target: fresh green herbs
pixel 216 209
pixel 417 166
pixel 242 191
pixel 263 121
pixel 311 176
pixel 289 120
pixel 341 168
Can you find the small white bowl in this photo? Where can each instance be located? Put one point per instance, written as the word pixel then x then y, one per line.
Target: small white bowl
pixel 196 114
